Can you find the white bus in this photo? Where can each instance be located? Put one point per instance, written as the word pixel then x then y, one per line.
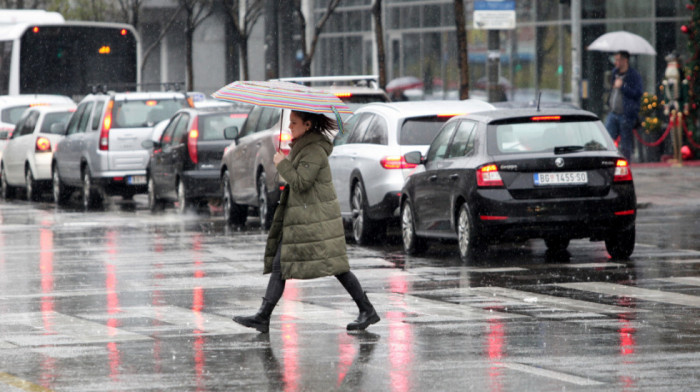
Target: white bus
pixel 41 53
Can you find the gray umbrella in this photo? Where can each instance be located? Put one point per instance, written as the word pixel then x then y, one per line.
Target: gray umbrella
pixel 622 40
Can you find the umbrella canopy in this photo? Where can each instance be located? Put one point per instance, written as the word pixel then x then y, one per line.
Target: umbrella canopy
pixel 284 95
pixel 403 83
pixel 622 40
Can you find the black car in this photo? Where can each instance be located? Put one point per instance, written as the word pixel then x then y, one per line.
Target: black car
pixel 517 174
pixel 184 164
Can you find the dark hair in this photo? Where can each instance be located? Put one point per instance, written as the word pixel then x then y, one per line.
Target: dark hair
pixel 319 122
pixel 624 53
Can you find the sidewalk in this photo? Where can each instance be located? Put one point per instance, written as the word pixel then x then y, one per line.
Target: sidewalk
pixel 663 184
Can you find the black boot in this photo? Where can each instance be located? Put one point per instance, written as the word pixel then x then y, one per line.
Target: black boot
pixel 367 315
pixel 261 319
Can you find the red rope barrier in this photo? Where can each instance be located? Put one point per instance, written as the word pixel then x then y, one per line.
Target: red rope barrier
pixel 690 136
pixel 656 143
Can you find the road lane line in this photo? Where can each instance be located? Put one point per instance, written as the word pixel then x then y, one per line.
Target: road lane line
pixel 569 378
pixel 687 280
pixel 24 385
pixel 634 292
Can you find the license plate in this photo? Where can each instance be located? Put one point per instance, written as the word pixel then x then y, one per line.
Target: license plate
pixel 561 178
pixel 136 180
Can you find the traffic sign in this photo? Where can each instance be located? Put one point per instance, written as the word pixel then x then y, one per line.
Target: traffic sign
pixel 494 14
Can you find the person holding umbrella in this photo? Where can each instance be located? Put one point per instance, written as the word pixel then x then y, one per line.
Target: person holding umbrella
pixel 307 237
pixel 624 102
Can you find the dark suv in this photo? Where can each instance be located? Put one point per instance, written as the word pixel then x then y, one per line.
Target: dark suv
pixel 184 166
pixel 102 153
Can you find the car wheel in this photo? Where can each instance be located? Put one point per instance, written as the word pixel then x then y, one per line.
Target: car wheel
pixel 154 203
pixel 183 203
pixel 59 191
pixel 31 186
pixel 235 214
pixel 470 243
pixel 364 229
pixel 412 244
pixel 266 208
pixel 8 192
pixel 620 245
pixel 557 244
pixel 91 195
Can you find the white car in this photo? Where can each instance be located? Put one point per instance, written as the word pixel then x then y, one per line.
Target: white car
pixel 367 160
pixel 26 162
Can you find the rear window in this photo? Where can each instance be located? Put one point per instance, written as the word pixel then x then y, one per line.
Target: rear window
pixel 420 130
pixel 211 127
pixel 145 112
pixel 12 114
pixel 55 118
pixel 544 136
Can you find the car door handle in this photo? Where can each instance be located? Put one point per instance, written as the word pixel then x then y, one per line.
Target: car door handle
pixel 432 178
pixel 454 177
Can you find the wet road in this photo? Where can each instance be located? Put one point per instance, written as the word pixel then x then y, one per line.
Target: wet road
pixel 122 300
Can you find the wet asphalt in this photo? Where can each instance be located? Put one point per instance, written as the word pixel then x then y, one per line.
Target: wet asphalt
pixel 123 300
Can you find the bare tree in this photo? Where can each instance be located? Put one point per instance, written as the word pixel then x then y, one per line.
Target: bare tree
pixel 196 12
pixel 130 11
pixel 242 30
pixel 309 53
pixel 148 51
pixel 461 24
pixel 379 37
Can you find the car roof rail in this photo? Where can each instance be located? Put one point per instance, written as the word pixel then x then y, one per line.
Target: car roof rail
pixel 163 86
pixel 358 80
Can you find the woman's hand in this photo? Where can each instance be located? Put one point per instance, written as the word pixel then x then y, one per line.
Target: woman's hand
pixel 279 156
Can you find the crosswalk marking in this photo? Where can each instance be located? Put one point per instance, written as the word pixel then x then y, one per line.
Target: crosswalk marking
pixel 634 292
pixel 550 374
pixel 686 280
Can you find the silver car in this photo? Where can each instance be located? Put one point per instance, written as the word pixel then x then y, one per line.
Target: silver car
pixel 367 160
pixel 102 152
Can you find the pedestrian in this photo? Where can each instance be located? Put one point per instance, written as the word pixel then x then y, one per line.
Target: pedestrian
pixel 307 237
pixel 624 102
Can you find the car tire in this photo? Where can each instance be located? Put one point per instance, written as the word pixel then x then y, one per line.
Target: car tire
pixel 8 191
pixel 90 194
pixel 412 243
pixel 620 245
pixel 470 243
pixel 235 214
pixel 557 244
pixel 183 203
pixel 265 206
pixel 58 189
pixel 364 229
pixel 155 204
pixel 31 186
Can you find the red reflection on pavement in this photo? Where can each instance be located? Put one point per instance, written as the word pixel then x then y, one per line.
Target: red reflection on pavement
pixel 627 342
pixel 346 353
pixel 290 338
pixel 197 307
pixel 494 348
pixel 48 363
pixel 113 307
pixel 157 301
pixel 400 337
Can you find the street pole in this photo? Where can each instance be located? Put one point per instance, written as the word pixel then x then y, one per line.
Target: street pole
pixel 493 64
pixel 576 52
pixel 271 40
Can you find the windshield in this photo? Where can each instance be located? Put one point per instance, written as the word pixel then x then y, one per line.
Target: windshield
pixel 538 136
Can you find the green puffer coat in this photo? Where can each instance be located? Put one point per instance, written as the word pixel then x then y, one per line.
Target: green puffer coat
pixel 308 215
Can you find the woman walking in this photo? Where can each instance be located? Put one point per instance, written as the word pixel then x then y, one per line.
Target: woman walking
pixel 307 238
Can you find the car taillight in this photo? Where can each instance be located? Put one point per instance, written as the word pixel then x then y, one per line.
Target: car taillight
pixel 283 140
pixel 42 145
pixel 106 126
pixel 622 171
pixel 488 175
pixel 192 137
pixel 396 162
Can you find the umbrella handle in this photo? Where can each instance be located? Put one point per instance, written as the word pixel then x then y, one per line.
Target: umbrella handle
pixel 279 139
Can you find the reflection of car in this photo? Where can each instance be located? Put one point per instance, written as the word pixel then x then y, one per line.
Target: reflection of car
pixel 518 174
pixel 26 162
pixel 355 90
pixel 184 166
pixel 366 163
pixel 12 107
pixel 102 152
pixel 248 175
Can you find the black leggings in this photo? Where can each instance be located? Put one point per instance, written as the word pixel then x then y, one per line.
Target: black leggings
pixel 275 286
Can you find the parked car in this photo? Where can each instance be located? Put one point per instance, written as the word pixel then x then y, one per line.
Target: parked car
pixel 102 153
pixel 353 90
pixel 518 174
pixel 367 164
pixel 250 182
pixel 26 161
pixel 184 165
pixel 13 106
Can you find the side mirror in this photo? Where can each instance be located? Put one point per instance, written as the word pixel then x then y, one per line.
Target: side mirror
pixel 58 128
pixel 148 144
pixel 231 132
pixel 414 157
